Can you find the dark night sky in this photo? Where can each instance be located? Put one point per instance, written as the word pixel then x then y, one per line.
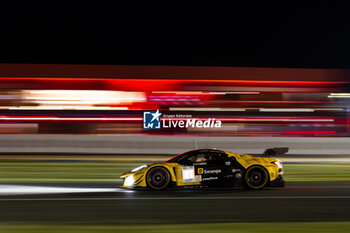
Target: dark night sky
pixel 314 35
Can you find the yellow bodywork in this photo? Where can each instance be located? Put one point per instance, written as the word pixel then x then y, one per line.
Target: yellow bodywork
pixel 249 160
pixel 138 178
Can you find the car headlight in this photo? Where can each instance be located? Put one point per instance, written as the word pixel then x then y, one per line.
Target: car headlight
pixel 129 180
pixel 138 168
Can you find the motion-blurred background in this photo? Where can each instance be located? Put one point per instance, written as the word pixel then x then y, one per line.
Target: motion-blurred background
pixel 90 109
pixel 249 101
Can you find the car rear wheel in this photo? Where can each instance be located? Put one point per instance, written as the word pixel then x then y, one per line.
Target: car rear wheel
pixel 256 177
pixel 158 178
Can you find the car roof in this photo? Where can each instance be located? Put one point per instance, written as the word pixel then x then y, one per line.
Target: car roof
pixel 208 150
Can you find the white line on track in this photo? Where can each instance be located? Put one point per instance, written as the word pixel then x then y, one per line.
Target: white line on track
pixel 30 189
pixel 172 198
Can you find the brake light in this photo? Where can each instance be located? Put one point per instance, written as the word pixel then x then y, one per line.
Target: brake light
pixel 278 163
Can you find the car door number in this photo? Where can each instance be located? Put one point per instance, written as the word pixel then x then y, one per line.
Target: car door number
pixel 188 175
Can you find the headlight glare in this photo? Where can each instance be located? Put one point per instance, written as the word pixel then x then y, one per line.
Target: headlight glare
pixel 129 181
pixel 138 168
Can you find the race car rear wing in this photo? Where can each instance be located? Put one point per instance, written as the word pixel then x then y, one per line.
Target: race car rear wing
pixel 275 151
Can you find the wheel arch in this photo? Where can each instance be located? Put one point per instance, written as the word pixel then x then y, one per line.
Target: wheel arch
pixel 261 166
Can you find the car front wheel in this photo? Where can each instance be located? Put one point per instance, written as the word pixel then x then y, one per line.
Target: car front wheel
pixel 158 178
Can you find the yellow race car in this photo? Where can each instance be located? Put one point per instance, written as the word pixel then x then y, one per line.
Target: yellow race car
pixel 210 168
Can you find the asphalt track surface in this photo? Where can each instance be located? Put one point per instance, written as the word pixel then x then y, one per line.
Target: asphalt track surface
pixel 106 203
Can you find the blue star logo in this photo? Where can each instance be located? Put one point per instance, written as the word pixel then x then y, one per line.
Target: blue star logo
pixel 151 119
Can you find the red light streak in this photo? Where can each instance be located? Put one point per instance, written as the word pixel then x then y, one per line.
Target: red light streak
pixel 309 132
pixel 258 119
pixel 53 118
pixel 145 84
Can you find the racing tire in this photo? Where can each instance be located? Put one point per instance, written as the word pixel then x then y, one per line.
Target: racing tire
pixel 158 178
pixel 256 177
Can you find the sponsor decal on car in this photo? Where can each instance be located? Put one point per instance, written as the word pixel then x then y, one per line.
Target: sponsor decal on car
pixel 210 178
pixel 213 171
pixel 237 173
